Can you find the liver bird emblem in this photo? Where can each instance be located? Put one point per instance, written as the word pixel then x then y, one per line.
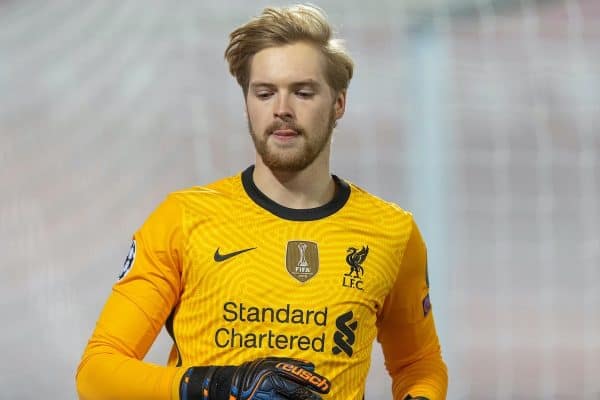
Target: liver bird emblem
pixel 355 258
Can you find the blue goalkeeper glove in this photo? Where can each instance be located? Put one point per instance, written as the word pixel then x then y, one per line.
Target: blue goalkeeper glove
pixel 270 378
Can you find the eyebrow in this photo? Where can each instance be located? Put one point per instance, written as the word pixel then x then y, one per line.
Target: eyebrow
pixel 307 82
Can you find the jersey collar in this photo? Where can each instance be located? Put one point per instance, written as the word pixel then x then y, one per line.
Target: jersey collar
pixel 340 198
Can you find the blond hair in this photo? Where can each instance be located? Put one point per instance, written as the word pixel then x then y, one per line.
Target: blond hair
pixel 280 26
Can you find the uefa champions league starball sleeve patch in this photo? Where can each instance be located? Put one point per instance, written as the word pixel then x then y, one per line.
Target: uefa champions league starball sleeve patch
pixel 426 305
pixel 128 261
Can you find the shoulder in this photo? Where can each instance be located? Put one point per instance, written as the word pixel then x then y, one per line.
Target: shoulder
pixel 380 209
pixel 220 190
pixel 196 202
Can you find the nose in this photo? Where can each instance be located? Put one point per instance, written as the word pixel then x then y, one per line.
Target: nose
pixel 283 108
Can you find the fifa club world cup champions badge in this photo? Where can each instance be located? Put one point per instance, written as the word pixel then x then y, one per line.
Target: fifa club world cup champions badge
pixel 302 259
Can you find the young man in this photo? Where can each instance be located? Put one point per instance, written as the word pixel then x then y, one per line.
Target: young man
pixel 282 263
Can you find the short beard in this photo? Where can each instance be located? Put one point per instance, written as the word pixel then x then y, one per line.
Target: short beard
pixel 296 162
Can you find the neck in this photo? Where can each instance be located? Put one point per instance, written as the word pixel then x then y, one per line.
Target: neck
pixel 312 187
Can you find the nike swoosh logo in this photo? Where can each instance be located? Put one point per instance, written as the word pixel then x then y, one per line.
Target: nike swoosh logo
pixel 223 257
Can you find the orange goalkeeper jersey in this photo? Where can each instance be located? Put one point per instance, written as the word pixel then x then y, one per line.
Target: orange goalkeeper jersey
pixel 234 276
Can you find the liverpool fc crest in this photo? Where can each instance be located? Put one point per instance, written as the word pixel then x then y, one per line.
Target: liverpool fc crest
pixel 355 258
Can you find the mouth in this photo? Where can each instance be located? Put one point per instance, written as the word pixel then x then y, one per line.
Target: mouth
pixel 285 134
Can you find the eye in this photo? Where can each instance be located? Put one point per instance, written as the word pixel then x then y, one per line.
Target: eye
pixel 264 95
pixel 306 94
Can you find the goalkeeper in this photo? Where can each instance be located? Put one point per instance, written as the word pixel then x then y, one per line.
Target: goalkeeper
pixel 281 263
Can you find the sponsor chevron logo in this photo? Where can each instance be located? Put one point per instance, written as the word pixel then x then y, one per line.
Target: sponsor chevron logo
pixel 344 337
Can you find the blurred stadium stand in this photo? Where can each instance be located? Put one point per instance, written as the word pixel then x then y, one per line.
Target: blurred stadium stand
pixel 480 116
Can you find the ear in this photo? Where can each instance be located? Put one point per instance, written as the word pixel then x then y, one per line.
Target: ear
pixel 340 104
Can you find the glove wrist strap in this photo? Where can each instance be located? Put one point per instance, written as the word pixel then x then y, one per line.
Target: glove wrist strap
pixel 206 383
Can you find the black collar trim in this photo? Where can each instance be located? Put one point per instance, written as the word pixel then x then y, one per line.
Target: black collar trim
pixel 340 198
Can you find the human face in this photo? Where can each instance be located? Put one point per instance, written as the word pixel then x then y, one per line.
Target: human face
pixel 291 109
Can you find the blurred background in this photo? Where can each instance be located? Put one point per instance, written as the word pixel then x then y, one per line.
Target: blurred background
pixel 480 116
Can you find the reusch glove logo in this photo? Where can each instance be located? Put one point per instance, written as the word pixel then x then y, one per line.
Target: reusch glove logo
pixel 344 337
pixel 304 375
